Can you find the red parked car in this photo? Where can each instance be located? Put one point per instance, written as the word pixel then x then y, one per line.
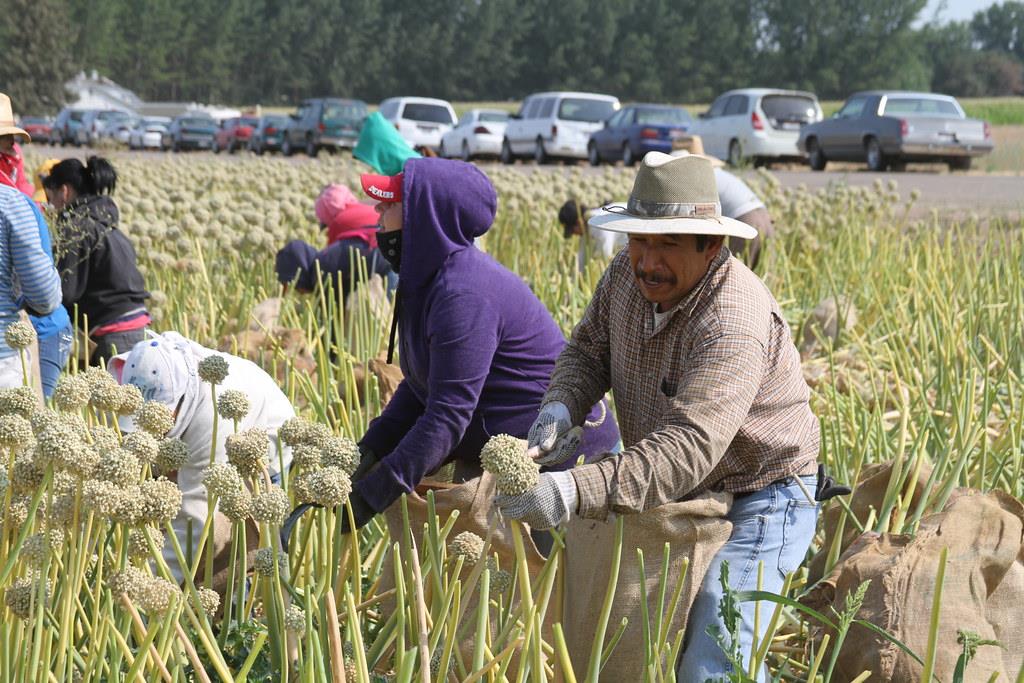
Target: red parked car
pixel 37 127
pixel 234 133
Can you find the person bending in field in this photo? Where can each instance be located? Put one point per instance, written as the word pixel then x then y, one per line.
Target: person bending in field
pixel 165 368
pixel 476 346
pixel 737 199
pixel 100 278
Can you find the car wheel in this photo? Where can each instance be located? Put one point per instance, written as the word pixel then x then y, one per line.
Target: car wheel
pixel 506 152
pixel 441 151
pixel 627 155
pixel 873 155
pixel 735 154
pixel 898 166
pixel 258 149
pixel 960 164
pixel 593 156
pixel 311 148
pixel 815 157
pixel 175 147
pixel 232 147
pixel 540 155
pixel 286 147
pixel 466 156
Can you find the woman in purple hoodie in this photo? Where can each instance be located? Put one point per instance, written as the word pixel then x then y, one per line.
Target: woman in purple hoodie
pixel 475 344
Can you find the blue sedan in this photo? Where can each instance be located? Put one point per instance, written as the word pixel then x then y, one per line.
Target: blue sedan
pixel 637 129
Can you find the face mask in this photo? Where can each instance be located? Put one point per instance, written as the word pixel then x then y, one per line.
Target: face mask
pixel 390 244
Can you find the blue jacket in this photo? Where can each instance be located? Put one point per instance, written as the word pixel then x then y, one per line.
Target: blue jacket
pixel 48 325
pixel 476 346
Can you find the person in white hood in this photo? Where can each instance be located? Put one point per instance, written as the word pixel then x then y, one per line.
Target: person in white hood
pixel 165 369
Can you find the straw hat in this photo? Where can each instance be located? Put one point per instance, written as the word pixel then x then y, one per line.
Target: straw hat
pixel 7 126
pixel 672 195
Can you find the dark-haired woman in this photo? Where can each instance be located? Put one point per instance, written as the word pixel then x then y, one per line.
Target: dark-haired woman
pixel 100 279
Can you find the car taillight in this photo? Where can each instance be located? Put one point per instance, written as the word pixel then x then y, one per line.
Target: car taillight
pixel 271 130
pixel 481 130
pixel 988 129
pixel 904 128
pixel 554 131
pixel 321 127
pixel 755 121
pixel 649 133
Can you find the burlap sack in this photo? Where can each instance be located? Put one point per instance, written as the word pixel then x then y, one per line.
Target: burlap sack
pixel 695 529
pixel 473 500
pixel 868 495
pixel 983 533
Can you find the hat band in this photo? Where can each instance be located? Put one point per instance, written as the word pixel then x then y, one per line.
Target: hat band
pixel 648 209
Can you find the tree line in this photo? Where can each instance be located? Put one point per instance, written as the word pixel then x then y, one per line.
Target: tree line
pixel 275 52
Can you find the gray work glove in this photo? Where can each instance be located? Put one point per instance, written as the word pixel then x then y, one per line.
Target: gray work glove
pixel 552 439
pixel 550 503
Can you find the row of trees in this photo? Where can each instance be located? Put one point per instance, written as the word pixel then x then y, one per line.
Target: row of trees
pixel 278 51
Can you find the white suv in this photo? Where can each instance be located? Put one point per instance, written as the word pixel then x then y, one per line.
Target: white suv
pixel 420 120
pixel 556 124
pixel 757 124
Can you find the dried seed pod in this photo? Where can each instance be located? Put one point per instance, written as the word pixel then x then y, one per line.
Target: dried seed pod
pixel 248 451
pixel 340 451
pixel 264 559
pixel 213 369
pixel 155 418
pixel 271 506
pixel 20 334
pixel 505 457
pixel 233 405
pixel 171 454
pixel 209 600
pixel 295 620
pixel 468 546
pixel 329 486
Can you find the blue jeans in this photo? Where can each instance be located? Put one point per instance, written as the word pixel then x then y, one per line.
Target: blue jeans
pixel 775 526
pixel 53 356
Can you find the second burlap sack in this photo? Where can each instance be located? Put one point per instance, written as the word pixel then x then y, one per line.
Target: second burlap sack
pixel 981 592
pixel 695 530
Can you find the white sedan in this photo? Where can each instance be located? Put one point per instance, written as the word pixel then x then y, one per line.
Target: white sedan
pixel 479 132
pixel 147 134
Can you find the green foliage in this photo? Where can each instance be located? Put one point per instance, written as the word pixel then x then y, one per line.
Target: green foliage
pixel 36 57
pixel 276 53
pixel 970 641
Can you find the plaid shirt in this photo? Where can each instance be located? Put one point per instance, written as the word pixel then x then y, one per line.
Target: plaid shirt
pixel 711 399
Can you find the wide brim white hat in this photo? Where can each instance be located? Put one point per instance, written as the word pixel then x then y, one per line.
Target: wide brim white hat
pixel 672 195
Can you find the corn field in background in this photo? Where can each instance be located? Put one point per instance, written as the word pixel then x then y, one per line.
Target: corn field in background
pixel 929 373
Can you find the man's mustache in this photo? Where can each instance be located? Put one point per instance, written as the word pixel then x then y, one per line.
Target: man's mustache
pixel 656 278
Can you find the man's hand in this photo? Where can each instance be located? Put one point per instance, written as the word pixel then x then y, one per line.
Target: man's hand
pixel 361 512
pixel 550 503
pixel 552 439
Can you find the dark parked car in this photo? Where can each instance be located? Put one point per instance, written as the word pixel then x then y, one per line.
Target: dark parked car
pixel 886 129
pixel 234 133
pixel 324 123
pixel 190 131
pixel 65 127
pixel 37 127
pixel 268 133
pixel 637 129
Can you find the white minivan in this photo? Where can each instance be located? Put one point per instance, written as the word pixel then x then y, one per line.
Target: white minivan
pixel 757 124
pixel 556 124
pixel 422 121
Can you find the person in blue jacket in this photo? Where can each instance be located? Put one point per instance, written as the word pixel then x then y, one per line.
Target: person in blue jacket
pixel 475 344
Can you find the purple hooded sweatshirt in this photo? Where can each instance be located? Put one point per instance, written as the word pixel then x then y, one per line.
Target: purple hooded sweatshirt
pixel 477 347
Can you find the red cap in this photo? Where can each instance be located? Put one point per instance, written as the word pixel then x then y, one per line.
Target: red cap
pixel 383 188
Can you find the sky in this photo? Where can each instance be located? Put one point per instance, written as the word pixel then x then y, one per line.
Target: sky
pixel 955 10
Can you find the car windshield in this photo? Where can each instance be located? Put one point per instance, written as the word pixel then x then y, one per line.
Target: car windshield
pixel 789 108
pixel 585 109
pixel 428 113
pixel 493 117
pixel 32 120
pixel 344 112
pixel 663 116
pixel 921 106
pixel 112 115
pixel 198 123
pixel 76 115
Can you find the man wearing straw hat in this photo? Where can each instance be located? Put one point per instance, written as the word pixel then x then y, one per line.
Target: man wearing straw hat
pixel 708 391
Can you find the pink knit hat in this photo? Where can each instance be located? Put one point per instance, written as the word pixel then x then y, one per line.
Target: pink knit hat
pixel 333 200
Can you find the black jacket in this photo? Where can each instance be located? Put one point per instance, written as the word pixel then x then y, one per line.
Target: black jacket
pixel 97 264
